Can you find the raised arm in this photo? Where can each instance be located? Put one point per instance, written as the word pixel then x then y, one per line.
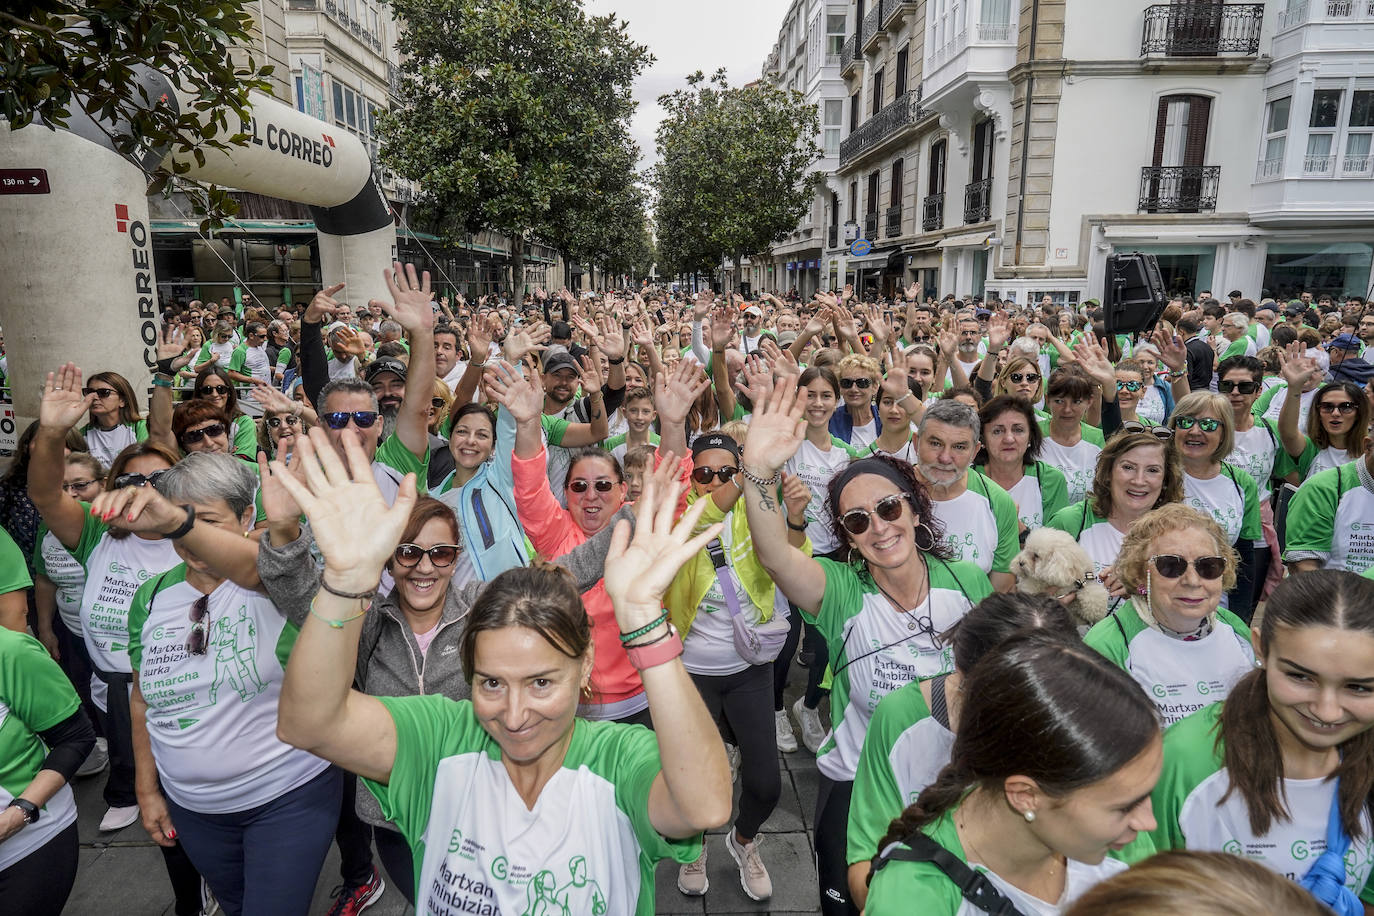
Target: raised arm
pixel 722 329
pixel 62 407
pixel 314 372
pixel 674 394
pixel 1296 369
pixel 409 305
pixel 1173 352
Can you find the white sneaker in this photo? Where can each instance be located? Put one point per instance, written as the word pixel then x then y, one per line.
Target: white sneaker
pixel 813 732
pixel 732 755
pixel 118 818
pixel 787 742
pixel 753 877
pixel 691 878
pixel 97 760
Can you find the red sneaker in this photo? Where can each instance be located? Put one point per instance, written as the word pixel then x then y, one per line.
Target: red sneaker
pixel 350 901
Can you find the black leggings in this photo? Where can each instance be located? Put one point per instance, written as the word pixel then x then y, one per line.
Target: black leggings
pixel 741 700
pixel 40 883
pixel 832 829
pixel 397 859
pixel 782 665
pixel 353 836
pixel 119 784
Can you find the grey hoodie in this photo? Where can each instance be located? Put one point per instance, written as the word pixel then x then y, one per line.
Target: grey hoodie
pixel 390 663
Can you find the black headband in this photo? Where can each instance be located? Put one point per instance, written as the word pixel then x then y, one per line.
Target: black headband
pixel 715 440
pixel 870 466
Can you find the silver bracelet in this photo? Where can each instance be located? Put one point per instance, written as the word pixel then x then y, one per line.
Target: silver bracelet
pixel 762 481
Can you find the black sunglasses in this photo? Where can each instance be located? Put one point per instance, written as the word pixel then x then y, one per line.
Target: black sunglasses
pixel 1019 377
pixel 438 403
pixel 889 509
pixel 101 393
pixel 192 436
pixel 339 419
pixel 289 420
pixel 213 389
pixel 862 384
pixel 138 480
pixel 1343 407
pixel 1171 567
pixel 409 555
pixel 1243 387
pixel 704 476
pixel 582 486
pixel 199 640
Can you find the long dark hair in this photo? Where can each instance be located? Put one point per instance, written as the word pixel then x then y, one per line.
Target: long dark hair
pixel 1320 598
pixel 917 499
pixel 541 597
pixel 1354 443
pixel 997 618
pixel 1024 714
pixel 1012 403
pixel 231 404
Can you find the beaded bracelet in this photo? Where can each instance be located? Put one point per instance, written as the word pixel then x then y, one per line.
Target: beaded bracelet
pixel 667 634
pixel 337 624
pixel 626 638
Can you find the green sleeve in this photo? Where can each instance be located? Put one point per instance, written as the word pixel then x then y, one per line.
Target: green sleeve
pixel 14 572
pixel 1107 638
pixel 635 766
pixel 1090 434
pixel 1236 348
pixel 1250 528
pixel 903 888
pixel 32 685
pixel 1070 518
pixel 92 530
pixel 237 358
pixel 843 598
pixel 1303 462
pixel 1191 755
pixel 283 357
pixel 203 355
pixel 611 443
pixel 1262 405
pixel 1231 620
pixel 877 798
pixel 245 436
pixel 138 616
pixel 1054 489
pixel 1312 514
pixel 394 454
pixel 848 449
pixel 141 431
pixel 1008 528
pixel 554 428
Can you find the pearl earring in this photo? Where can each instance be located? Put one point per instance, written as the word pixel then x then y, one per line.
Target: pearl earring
pixel 1030 817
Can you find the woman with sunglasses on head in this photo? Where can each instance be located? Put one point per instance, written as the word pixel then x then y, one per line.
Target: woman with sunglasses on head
pixel 214 385
pixel 1336 425
pixel 1012 441
pixel 115 422
pixel 1282 771
pixel 878 613
pixel 1047 788
pixel 1172 634
pixel 284 422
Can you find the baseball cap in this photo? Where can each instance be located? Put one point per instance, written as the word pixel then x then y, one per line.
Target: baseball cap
pixel 787 338
pixel 385 364
pixel 982 313
pixel 753 310
pixel 556 358
pixel 1344 342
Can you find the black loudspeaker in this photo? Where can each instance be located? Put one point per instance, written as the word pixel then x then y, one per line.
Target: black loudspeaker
pixel 1135 293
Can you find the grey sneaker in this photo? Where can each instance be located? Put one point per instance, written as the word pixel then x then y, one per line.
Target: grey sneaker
pixel 97 760
pixel 787 742
pixel 691 878
pixel 813 732
pixel 753 877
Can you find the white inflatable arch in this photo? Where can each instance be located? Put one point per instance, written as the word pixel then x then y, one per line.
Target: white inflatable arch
pixel 76 266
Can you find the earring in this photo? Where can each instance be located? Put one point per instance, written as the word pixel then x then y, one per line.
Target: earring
pixel 929 543
pixel 855 559
pixel 1030 817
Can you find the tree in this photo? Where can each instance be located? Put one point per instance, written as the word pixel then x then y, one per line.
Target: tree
pixel 734 173
pixel 507 107
pixel 89 53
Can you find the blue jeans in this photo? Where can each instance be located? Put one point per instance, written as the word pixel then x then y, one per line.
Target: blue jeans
pixel 265 861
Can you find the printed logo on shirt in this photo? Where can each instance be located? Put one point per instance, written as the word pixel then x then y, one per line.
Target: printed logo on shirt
pixel 1299 850
pixel 231 644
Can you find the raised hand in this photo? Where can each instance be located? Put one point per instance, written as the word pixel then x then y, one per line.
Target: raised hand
pixel 815 325
pixel 324 304
pixel 610 337
pixel 1296 367
pixel 590 372
pixel 351 342
pixel 781 362
pixel 949 343
pixel 776 431
pixel 1093 359
pixel 519 343
pixel 171 349
pixel 882 333
pixel 523 397
pixel 410 298
pixel 848 293
pixel 755 380
pixel 913 292
pixel 140 508
pixel 999 329
pixel 722 328
pixel 796 496
pixel 701 306
pixel 1173 352
pixel 677 389
pixel 63 405
pixel 278 504
pixel 480 334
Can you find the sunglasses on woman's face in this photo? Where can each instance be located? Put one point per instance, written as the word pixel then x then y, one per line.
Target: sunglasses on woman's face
pixel 437 403
pixel 1344 407
pixel 101 393
pixel 1226 387
pixel 1132 387
pixel 582 486
pixel 339 419
pixel 199 640
pixel 1206 424
pixel 192 436
pixel 889 509
pixel 704 476
pixel 1172 567
pixel 137 480
pixel 409 555
pixel 1019 378
pixel 862 384
pixel 289 420
pixel 212 390
pixel 76 486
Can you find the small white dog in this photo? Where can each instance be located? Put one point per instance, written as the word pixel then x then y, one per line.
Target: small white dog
pixel 1053 564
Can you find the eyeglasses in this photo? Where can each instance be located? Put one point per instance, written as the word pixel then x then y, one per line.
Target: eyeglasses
pixel 1242 387
pixel 73 486
pixel 889 509
pixel 199 640
pixel 137 480
pixel 438 403
pixel 339 419
pixel 101 393
pixel 860 383
pixel 192 436
pixel 1206 424
pixel 1343 407
pixel 582 486
pixel 704 476
pixel 289 420
pixel 1172 567
pixel 1132 387
pixel 409 555
pixel 1162 433
pixel 213 389
pixel 1020 377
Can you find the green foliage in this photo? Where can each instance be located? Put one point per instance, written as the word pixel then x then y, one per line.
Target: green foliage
pixel 57 54
pixel 734 173
pixel 512 118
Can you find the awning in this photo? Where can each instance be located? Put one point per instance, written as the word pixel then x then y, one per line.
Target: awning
pixel 967 240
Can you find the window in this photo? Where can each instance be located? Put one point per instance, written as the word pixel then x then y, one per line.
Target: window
pixel 1360 138
pixel 877 103
pixel 854 112
pixel 936 182
pixel 300 93
pixel 357 115
pixel 834 33
pixel 1275 136
pixel 338 102
pixel 982 150
pixel 1181 130
pixel 899 78
pixel 1323 125
pixel 853 201
pixel 834 119
pixel 873 179
pixel 895 198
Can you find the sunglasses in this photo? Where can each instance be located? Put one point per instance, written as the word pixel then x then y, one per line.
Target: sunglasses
pixel 101 393
pixel 1343 407
pixel 192 436
pixel 77 485
pixel 862 384
pixel 1171 567
pixel 1132 387
pixel 438 403
pixel 137 480
pixel 1162 433
pixel 582 486
pixel 1242 387
pixel 199 640
pixel 409 555
pixel 889 509
pixel 704 476
pixel 289 420
pixel 339 419
pixel 212 389
pixel 1206 424
pixel 1019 377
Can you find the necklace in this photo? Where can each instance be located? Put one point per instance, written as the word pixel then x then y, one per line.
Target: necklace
pixel 913 621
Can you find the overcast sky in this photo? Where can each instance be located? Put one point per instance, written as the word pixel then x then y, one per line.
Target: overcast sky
pixel 689 35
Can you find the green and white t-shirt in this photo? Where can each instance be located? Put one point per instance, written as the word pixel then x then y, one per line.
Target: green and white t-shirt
pixel 903 752
pixel 115 569
pixel 980 524
pixel 65 571
pixel 815 468
pixel 1255 452
pixel 1191 814
pixel 1331 518
pixel 1229 498
pixel 1314 460
pixel 212 718
pixel 920 887
pixel 1099 538
pixel 1078 463
pixel 106 444
pixel 34 696
pixel 14 572
pixel 252 361
pixel 1180 676
pixel 1041 492
pixel 587 846
pixel 617 446
pixel 874 649
pixel 1270 403
pixel 392 462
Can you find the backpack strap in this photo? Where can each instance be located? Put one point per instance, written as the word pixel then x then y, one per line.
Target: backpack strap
pixel 973 886
pixel 939 704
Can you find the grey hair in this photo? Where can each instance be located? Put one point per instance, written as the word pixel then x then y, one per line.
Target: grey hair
pixel 1149 348
pixel 952 413
pixel 1236 318
pixel 348 384
pixel 1026 346
pixel 203 477
pixel 390 325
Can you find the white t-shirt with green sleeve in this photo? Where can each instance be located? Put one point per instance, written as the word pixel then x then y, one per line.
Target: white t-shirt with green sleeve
pixel 1078 462
pixel 212 718
pixel 980 524
pixel 1331 519
pixel 1255 452
pixel 586 847
pixel 1180 676
pixel 65 571
pixel 34 696
pixel 1191 814
pixel 1099 538
pixel 1231 498
pixel 393 461
pixel 874 649
pixel 815 467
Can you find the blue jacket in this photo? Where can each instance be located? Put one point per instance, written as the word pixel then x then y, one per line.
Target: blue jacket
pixel 485 507
pixel 1166 391
pixel 842 424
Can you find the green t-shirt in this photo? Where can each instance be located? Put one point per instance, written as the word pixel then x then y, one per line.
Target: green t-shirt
pixel 587 847
pixel 14 572
pixel 243 436
pixel 1331 519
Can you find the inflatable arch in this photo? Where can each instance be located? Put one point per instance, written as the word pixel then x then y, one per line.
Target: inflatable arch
pixel 76 269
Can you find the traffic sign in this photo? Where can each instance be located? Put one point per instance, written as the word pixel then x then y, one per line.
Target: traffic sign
pixel 24 181
pixel 860 247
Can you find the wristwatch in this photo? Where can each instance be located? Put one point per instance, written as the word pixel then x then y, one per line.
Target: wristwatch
pixel 31 811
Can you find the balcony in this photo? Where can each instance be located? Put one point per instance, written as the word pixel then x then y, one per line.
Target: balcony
pixel 904 111
pixel 871 27
pixel 1179 188
pixel 978 200
pixel 871 225
pixel 895 10
pixel 847 56
pixel 832 237
pixel 1269 168
pixel 1360 166
pixel 1321 166
pixel 1325 11
pixel 393 80
pixel 894 221
pixel 1202 29
pixel 933 212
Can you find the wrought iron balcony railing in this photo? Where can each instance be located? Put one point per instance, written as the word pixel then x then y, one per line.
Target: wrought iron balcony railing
pixel 871 26
pixel 933 212
pixel 871 225
pixel 832 237
pixel 847 55
pixel 1179 188
pixel 1202 29
pixel 894 221
pixel 978 200
pixel 904 111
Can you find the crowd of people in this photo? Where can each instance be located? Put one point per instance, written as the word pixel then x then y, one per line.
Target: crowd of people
pixel 502 597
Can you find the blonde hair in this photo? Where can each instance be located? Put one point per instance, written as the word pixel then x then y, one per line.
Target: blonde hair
pixel 441 390
pixel 1199 884
pixel 735 429
pixel 1133 559
pixel 865 364
pixel 1200 402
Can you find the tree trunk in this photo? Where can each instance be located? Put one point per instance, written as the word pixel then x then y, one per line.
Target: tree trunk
pixel 517 266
